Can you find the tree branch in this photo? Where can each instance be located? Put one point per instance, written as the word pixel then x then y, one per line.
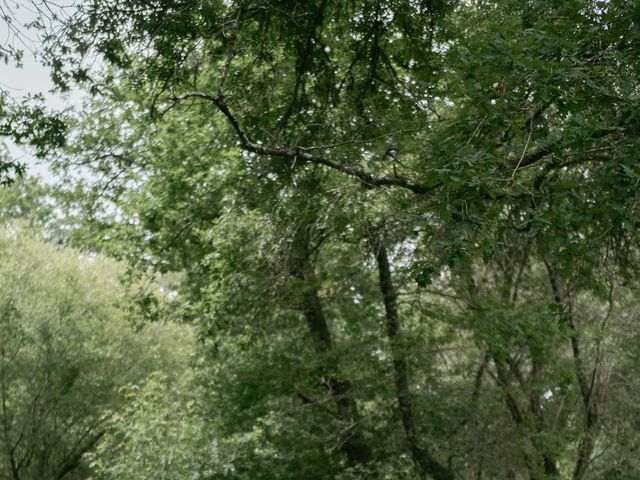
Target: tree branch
pixel 302 154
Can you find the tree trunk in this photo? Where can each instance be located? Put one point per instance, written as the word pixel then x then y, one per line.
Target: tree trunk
pixel 590 407
pixel 427 464
pixel 524 409
pixel 354 445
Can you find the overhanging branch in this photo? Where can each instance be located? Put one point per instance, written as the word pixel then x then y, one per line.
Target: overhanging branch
pixel 302 154
pixel 370 180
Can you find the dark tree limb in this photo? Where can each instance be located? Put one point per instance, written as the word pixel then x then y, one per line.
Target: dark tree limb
pixel 302 154
pixel 591 417
pixel 368 179
pixel 73 461
pixel 354 445
pixel 425 461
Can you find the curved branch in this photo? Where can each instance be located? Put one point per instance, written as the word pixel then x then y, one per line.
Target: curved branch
pixel 366 178
pixel 302 154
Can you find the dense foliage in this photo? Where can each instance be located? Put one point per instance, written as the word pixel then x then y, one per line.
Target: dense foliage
pixel 71 364
pixel 405 232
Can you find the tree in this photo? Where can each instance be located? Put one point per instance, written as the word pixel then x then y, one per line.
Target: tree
pixel 159 432
pixel 67 352
pixel 310 164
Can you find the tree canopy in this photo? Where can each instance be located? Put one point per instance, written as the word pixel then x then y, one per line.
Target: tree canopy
pixel 404 232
